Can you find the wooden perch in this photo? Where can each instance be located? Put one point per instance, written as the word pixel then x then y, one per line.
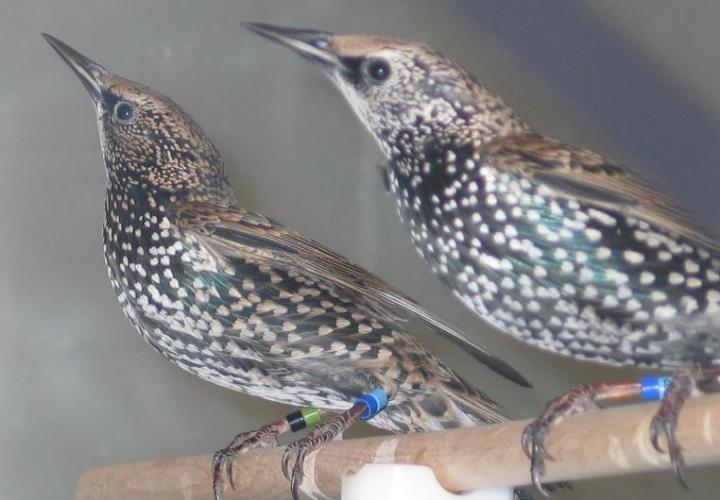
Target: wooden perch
pixel 601 443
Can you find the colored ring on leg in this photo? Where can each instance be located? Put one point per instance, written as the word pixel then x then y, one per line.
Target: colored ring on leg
pixel 653 387
pixel 296 421
pixel 311 416
pixel 375 401
pixel 305 417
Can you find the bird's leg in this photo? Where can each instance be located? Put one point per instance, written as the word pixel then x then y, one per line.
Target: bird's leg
pixel 664 422
pixel 265 436
pixel 316 438
pixel 364 408
pixel 672 391
pixel 579 399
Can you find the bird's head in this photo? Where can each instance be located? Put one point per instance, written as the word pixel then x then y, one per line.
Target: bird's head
pixel 147 140
pixel 395 84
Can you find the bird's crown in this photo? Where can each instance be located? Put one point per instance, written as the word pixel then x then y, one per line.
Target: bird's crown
pixel 147 139
pixel 401 87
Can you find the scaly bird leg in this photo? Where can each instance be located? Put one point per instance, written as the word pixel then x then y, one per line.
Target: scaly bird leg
pixel 679 388
pixel 364 408
pixel 579 399
pixel 673 391
pixel 265 436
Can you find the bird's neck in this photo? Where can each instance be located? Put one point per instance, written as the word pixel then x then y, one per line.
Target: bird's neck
pixel 133 217
pixel 459 125
pixel 138 201
pixel 418 149
pixel 139 219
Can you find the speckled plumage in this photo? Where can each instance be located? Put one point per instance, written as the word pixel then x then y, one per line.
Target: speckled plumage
pixel 238 300
pixel 556 245
pixel 532 235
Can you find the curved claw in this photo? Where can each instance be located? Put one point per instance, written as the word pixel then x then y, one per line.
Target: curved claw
pixel 229 470
pixel 537 469
pixel 665 420
pixel 678 462
pixel 319 435
pixel 533 442
pixel 666 426
pixel 577 400
pixel 526 438
pixel 297 473
pixel 218 482
pixel 243 442
pixel 295 486
pixel 287 455
pixel 656 428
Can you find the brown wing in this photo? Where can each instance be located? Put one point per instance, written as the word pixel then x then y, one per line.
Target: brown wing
pixel 228 231
pixel 587 176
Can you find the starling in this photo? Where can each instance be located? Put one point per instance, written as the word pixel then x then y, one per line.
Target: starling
pixel 556 245
pixel 240 301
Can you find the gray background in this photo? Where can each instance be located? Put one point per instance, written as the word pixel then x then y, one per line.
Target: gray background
pixel 635 79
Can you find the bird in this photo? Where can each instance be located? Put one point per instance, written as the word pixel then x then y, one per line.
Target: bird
pixel 556 245
pixel 245 303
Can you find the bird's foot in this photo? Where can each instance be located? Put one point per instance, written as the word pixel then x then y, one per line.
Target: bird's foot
pixel 299 450
pixel 664 421
pixel 223 460
pixel 579 399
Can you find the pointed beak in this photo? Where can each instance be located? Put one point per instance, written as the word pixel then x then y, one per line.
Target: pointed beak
pixel 88 71
pixel 313 45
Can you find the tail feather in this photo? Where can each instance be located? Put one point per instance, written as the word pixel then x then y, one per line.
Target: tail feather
pixel 439 407
pixel 477 406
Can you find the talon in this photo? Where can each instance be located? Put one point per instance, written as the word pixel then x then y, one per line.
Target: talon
pixel 228 470
pixel 533 443
pixel 655 434
pixel 665 420
pixel 542 450
pixel 678 464
pixel 667 428
pixel 224 459
pixel 526 435
pixel 295 486
pixel 218 482
pixel 287 455
pixel 537 453
pixel 537 469
pixel 577 400
pixel 297 475
pixel 319 435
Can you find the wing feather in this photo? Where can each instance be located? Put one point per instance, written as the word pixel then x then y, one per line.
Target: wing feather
pixel 229 231
pixel 590 177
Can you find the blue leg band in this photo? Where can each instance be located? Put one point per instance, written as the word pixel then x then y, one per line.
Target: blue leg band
pixel 375 401
pixel 653 387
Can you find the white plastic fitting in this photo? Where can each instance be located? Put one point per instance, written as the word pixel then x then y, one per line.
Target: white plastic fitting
pixel 407 482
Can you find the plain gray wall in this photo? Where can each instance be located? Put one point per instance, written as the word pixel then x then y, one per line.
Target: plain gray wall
pixel 636 79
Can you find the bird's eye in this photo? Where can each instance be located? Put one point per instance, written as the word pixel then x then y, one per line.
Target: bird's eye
pixel 378 70
pixel 124 112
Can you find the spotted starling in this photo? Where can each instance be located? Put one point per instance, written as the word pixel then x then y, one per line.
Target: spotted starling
pixel 556 245
pixel 239 300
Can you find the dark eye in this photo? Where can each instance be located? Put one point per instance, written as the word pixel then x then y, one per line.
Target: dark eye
pixel 124 112
pixel 377 69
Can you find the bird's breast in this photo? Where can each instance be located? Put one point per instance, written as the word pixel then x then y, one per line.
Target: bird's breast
pixel 556 272
pixel 145 259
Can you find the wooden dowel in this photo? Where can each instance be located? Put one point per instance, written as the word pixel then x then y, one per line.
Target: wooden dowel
pixel 601 443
